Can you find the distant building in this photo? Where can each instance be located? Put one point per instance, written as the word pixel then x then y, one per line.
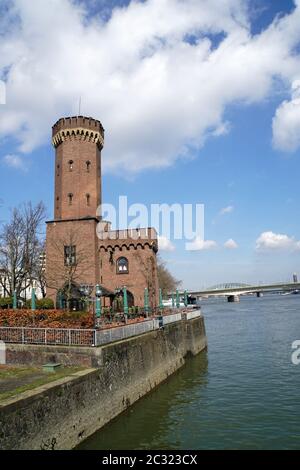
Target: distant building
pixel 25 293
pixel 295 278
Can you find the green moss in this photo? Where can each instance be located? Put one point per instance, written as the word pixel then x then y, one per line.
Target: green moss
pixel 22 372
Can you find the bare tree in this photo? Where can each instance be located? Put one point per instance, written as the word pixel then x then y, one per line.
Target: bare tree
pixel 67 262
pixel 147 269
pixel 19 247
pixel 167 282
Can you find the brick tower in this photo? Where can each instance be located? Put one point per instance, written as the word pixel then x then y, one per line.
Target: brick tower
pixel 78 142
pixel 80 251
pixel 72 243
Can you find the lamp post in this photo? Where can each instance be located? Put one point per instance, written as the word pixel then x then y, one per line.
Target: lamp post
pixel 15 300
pixel 86 291
pixel 33 302
pixel 161 305
pixel 146 301
pixel 125 303
pixel 60 300
pixel 98 292
pixel 185 299
pixel 177 299
pixel 173 300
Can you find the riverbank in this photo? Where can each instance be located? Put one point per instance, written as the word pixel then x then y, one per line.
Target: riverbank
pixel 63 413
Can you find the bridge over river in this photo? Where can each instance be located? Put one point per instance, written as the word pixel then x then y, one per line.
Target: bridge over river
pixel 233 291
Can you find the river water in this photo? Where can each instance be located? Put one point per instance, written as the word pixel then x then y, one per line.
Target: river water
pixel 243 393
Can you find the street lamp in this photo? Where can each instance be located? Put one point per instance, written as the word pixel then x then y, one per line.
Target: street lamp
pixel 98 292
pixel 33 303
pixel 146 301
pixel 15 300
pixel 161 305
pixel 185 299
pixel 177 299
pixel 125 303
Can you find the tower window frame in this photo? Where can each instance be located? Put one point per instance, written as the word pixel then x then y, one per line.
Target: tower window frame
pixel 71 165
pixel 88 199
pixel 70 255
pixel 122 265
pixel 88 164
pixel 70 197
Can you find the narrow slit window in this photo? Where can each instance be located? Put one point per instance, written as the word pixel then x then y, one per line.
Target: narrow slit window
pixel 70 197
pixel 88 199
pixel 70 255
pixel 71 165
pixel 88 166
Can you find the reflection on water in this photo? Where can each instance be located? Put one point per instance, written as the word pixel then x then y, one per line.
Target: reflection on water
pixel 243 393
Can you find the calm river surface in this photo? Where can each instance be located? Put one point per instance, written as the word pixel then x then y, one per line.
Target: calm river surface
pixel 243 393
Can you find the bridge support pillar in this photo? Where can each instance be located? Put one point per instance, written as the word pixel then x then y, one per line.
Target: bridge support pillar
pixel 233 298
pixel 259 294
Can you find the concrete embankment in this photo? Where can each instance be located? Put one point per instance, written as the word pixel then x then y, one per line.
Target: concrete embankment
pixel 61 414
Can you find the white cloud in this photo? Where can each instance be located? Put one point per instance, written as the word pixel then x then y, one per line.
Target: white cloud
pixel 201 245
pixel 231 244
pixel 276 241
pixel 226 210
pixel 286 122
pixel 159 96
pixel 14 161
pixel 164 244
pixel 2 92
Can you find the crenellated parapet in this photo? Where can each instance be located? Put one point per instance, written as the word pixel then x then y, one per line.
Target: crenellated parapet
pixel 128 239
pixel 80 128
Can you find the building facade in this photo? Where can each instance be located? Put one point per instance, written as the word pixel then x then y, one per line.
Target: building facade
pixel 81 249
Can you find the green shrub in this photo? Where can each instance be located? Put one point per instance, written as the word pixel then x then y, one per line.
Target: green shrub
pixel 6 302
pixel 45 304
pixel 41 304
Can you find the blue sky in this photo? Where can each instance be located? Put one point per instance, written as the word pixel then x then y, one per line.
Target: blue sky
pixel 235 146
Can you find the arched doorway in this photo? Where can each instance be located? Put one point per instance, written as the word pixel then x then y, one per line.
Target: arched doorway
pixel 118 303
pixel 70 297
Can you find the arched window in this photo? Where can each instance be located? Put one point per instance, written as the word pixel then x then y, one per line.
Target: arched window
pixel 88 165
pixel 71 164
pixel 122 266
pixel 88 199
pixel 70 197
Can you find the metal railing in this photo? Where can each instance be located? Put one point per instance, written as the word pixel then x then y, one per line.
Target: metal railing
pixel 48 336
pixel 122 332
pixel 90 337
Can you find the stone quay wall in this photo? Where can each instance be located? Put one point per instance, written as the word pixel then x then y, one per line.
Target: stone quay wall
pixel 61 414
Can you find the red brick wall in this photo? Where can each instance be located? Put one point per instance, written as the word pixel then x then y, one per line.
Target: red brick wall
pixel 82 234
pixel 142 273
